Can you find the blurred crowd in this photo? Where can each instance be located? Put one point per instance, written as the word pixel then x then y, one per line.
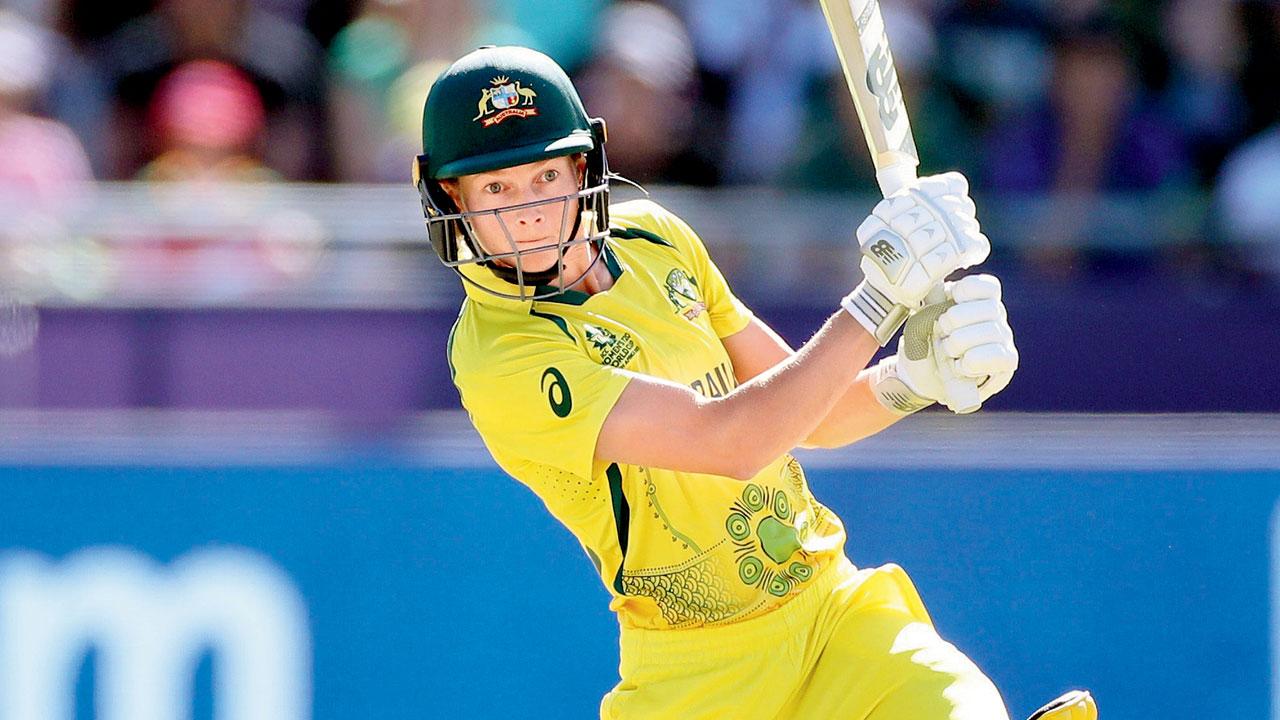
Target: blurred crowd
pixel 1064 98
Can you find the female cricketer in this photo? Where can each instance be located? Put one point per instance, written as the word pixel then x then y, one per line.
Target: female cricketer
pixel 608 366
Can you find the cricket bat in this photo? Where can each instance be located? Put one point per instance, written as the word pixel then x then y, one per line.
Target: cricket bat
pixel 863 46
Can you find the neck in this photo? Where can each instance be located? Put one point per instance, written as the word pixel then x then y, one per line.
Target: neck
pixel 598 279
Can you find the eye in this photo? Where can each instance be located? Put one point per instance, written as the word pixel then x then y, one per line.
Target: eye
pixel 493 188
pixel 550 175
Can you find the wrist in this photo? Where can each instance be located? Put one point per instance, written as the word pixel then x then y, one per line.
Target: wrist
pixel 875 311
pixel 893 391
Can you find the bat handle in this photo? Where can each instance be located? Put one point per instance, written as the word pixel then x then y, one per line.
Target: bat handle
pixel 893 178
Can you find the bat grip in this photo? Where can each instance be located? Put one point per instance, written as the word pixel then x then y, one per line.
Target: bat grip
pixel 893 178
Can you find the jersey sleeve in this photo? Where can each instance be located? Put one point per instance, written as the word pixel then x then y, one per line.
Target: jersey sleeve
pixel 539 401
pixel 728 314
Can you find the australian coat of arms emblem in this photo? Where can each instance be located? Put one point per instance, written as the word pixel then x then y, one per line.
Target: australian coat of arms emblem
pixel 682 291
pixel 506 99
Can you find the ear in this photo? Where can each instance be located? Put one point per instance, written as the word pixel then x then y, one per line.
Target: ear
pixel 580 166
pixel 451 188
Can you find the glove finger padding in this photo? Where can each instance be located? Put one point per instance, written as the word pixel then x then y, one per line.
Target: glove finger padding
pixel 969 313
pixel 976 333
pixel 977 251
pixel 960 393
pixel 994 384
pixel 989 359
pixel 900 212
pixel 974 287
pixel 963 340
pixel 979 286
pixel 947 183
pixel 957 183
pixel 937 261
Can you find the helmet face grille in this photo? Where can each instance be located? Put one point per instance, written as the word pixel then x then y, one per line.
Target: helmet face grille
pixel 454 239
pixel 461 245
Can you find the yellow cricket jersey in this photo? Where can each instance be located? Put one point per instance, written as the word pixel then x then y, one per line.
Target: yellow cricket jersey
pixel 538 378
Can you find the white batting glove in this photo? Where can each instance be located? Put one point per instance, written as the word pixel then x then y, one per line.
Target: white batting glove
pixel 967 337
pixel 910 242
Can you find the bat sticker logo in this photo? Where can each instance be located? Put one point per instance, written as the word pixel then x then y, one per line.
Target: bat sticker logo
pixel 863 20
pixel 882 81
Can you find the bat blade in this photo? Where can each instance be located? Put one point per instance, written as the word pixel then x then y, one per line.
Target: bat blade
pixel 857 29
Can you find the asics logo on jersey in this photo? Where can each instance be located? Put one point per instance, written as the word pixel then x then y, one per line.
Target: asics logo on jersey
pixel 557 391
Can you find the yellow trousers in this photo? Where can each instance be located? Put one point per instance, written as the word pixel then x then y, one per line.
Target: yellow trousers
pixel 855 645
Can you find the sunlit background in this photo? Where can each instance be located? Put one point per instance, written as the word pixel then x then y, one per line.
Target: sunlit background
pixel 235 480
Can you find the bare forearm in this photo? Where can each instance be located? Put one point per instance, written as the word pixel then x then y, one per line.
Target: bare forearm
pixel 775 411
pixel 782 397
pixel 857 415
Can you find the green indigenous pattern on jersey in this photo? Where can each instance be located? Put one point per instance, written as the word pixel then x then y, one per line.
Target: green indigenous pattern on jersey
pixel 539 378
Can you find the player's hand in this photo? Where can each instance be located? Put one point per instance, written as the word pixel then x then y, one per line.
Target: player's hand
pixel 966 337
pixel 910 242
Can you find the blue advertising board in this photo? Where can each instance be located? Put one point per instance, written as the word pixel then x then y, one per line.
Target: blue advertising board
pixel 398 588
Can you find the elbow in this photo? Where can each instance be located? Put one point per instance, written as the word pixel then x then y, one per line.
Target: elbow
pixel 750 463
pixel 730 450
pixel 736 469
pixel 743 446
pixel 745 472
pixel 731 463
pixel 744 461
pixel 827 442
pixel 735 451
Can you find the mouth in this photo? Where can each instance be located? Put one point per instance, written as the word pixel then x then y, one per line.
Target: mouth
pixel 545 241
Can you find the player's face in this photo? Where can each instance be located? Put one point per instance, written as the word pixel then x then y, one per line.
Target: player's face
pixel 541 225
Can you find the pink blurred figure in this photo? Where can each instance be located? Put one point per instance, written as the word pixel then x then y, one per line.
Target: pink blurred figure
pixel 209 118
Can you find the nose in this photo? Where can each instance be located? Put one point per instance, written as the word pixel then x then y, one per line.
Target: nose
pixel 526 217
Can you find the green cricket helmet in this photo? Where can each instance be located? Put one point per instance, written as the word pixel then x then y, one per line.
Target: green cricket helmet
pixel 499 107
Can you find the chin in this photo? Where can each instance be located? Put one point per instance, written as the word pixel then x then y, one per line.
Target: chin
pixel 540 261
